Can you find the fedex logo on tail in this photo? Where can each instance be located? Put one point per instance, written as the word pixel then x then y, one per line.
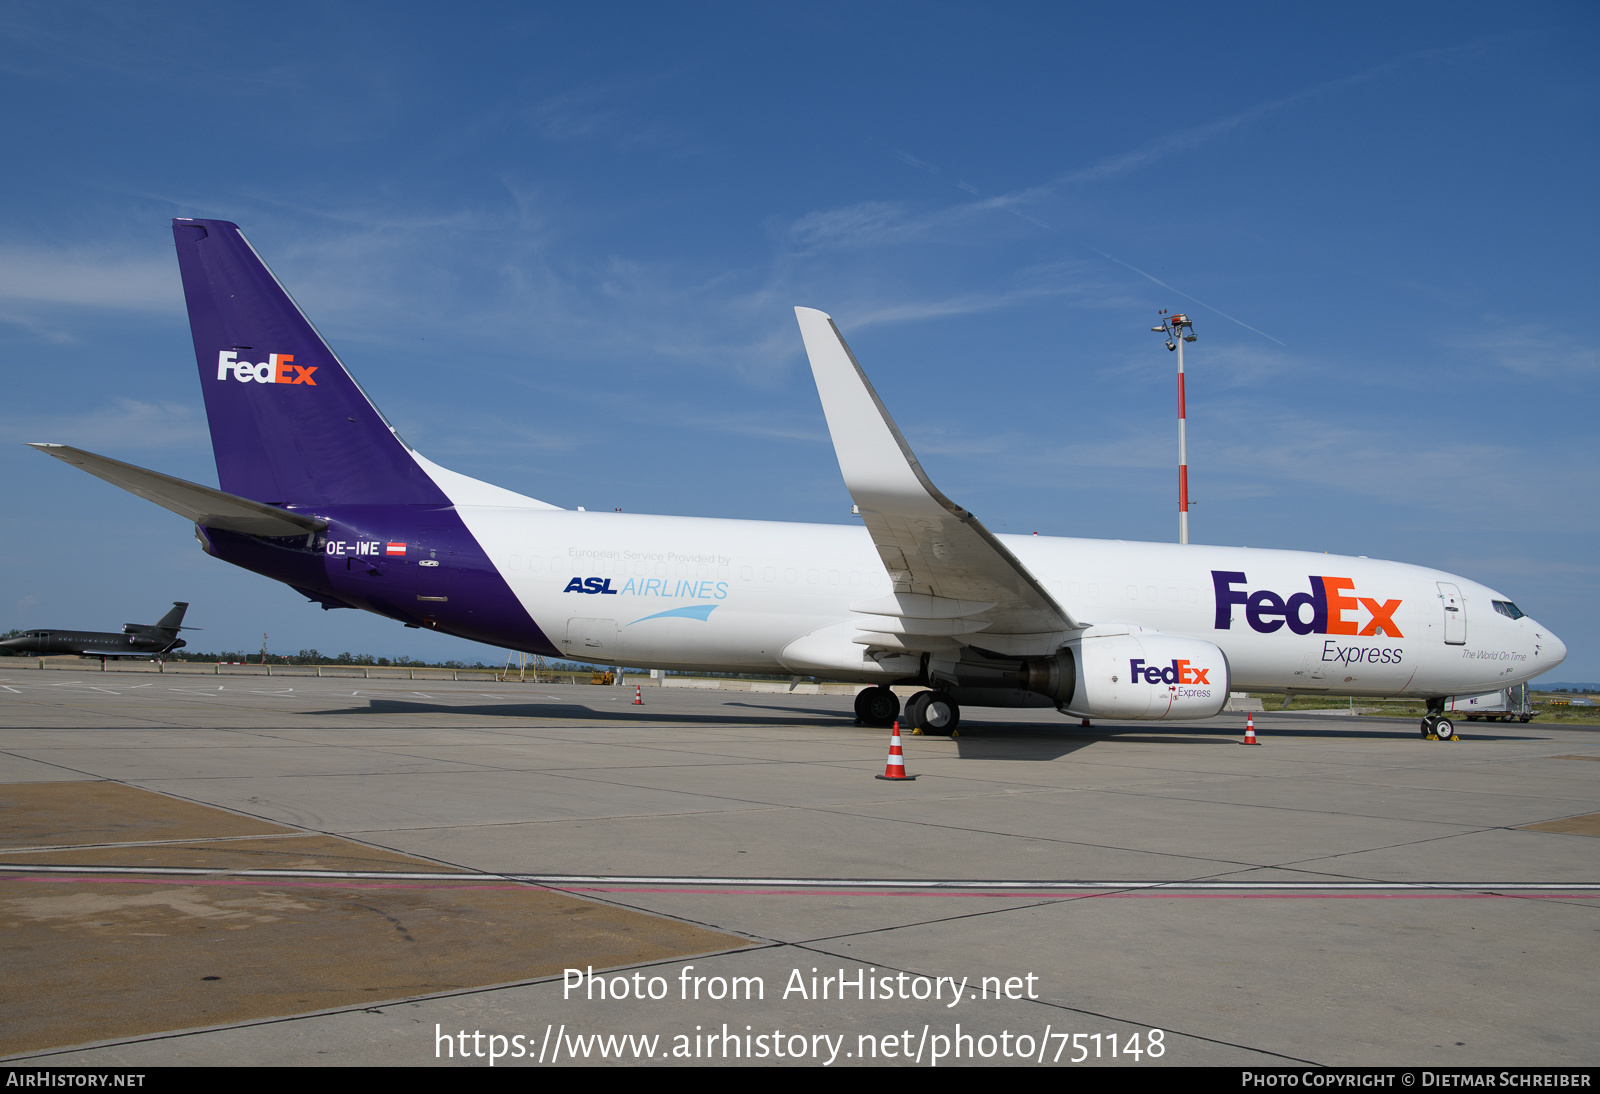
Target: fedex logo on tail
pixel 278 368
pixel 1334 610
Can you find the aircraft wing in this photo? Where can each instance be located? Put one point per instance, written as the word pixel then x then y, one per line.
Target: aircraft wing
pixel 201 504
pixel 951 575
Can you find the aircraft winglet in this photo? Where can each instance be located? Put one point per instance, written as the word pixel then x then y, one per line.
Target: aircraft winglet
pixel 931 546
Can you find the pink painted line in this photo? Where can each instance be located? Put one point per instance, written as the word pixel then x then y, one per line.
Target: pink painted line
pixel 1059 894
pixel 1013 894
pixel 270 883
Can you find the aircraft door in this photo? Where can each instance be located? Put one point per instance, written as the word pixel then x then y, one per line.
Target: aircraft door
pixel 1455 614
pixel 438 559
pixel 591 639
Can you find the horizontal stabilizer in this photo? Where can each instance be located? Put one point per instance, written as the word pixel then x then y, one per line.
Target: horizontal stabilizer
pixel 943 562
pixel 201 504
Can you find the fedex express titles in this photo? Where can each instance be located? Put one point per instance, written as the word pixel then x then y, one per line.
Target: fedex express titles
pixel 1331 605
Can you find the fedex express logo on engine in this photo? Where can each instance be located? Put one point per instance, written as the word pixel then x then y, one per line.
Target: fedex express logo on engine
pixel 1178 672
pixel 278 368
pixel 1333 608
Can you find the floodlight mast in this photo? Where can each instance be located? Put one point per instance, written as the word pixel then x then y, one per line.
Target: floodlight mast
pixel 1178 329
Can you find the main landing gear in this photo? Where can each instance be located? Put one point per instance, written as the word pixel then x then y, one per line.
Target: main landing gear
pixel 934 713
pixel 1435 726
pixel 877 707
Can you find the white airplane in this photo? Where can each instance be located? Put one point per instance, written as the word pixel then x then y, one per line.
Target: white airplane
pixel 319 492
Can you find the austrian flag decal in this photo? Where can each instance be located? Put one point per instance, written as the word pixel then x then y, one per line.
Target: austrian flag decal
pixel 396 549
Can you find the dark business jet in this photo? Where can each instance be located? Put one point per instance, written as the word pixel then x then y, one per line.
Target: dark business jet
pixel 135 640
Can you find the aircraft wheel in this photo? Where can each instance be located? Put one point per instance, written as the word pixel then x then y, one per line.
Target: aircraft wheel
pixel 937 714
pixel 1427 730
pixel 913 713
pixel 878 706
pixel 1444 730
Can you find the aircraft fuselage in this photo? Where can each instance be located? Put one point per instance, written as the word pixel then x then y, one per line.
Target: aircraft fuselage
pixel 88 643
pixel 736 595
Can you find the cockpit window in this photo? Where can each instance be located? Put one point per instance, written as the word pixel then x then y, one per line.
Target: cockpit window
pixel 1505 607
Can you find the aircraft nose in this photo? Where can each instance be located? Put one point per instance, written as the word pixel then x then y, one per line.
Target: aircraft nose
pixel 1552 649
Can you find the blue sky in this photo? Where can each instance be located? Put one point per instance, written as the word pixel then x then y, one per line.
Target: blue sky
pixel 560 244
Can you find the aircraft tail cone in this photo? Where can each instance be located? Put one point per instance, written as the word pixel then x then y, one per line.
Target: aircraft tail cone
pixel 895 769
pixel 638 695
pixel 1250 730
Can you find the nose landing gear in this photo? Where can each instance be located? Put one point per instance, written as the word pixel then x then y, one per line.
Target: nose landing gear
pixel 1435 726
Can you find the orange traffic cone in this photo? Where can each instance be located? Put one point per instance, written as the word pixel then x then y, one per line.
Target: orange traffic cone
pixel 1086 723
pixel 1250 730
pixel 895 769
pixel 638 695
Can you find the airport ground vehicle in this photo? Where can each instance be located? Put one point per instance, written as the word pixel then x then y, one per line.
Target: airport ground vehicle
pixel 318 491
pixel 1506 705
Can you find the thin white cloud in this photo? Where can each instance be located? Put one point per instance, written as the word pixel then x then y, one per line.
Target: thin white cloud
pixel 1262 450
pixel 881 222
pixel 609 113
pixel 864 224
pixel 913 311
pixel 1466 477
pixel 920 165
pixel 38 326
pixel 58 43
pixel 85 278
pixel 123 424
pixel 1529 349
pixel 1211 365
pixel 875 224
pixel 1186 296
pixel 1182 140
pixel 1522 566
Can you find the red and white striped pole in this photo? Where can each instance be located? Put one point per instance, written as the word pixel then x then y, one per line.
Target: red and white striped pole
pixel 1179 330
pixel 1183 452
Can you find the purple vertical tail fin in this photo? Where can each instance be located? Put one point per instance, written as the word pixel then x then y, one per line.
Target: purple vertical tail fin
pixel 288 424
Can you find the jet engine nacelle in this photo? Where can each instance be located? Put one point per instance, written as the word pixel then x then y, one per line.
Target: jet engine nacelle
pixel 1130 672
